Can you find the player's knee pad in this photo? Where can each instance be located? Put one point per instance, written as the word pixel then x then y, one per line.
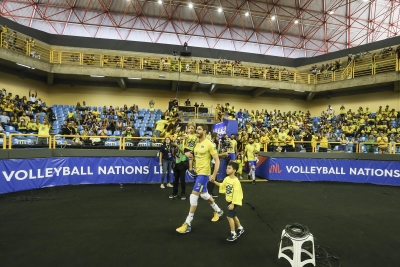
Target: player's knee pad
pixel 193 200
pixel 205 196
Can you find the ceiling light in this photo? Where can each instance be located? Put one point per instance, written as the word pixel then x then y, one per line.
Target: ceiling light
pixel 247 13
pixel 220 9
pixel 161 76
pixel 134 78
pixel 190 5
pixel 273 18
pixel 204 83
pixel 296 22
pixel 331 12
pixel 299 91
pixel 96 76
pixel 274 88
pixel 22 65
pixel 160 2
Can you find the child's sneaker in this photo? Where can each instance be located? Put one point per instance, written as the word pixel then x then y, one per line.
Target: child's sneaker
pixel 239 232
pixel 232 237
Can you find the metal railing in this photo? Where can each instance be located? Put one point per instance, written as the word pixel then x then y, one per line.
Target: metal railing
pixel 26 140
pixel 4 140
pixel 354 147
pixel 62 140
pixel 362 66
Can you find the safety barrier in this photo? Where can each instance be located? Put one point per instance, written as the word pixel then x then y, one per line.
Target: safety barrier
pixel 64 140
pixel 26 140
pixel 362 66
pixel 336 146
pixel 3 141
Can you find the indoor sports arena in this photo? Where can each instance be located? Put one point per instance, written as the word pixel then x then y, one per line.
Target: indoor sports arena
pixel 120 116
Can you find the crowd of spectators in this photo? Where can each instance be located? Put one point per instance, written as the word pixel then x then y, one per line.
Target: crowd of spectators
pixel 277 130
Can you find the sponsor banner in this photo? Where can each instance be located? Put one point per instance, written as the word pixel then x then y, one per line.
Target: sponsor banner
pixel 355 171
pixel 261 167
pixel 25 174
pixel 226 126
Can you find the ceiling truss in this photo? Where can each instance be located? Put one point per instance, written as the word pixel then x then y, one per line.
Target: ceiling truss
pixel 286 28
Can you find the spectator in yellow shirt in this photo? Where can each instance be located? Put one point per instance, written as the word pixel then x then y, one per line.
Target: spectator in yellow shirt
pixel 43 131
pixel 32 127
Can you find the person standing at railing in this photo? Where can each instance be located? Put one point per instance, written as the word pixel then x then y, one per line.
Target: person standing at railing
pixel 43 131
pixel 383 143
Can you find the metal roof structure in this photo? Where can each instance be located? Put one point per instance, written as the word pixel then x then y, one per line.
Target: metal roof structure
pixel 285 28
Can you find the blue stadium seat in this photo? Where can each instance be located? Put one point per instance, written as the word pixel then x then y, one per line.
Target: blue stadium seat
pixel 10 129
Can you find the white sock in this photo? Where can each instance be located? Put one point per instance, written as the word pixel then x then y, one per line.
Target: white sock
pixel 189 218
pixel 253 174
pixel 215 207
pixel 233 232
pixel 240 227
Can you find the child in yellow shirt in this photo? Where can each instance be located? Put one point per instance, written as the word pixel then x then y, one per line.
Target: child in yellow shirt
pixel 232 189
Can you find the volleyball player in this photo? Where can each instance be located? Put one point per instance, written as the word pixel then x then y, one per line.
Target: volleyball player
pixel 203 152
pixel 251 151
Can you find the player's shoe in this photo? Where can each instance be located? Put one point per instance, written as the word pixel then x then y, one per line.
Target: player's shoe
pixel 191 173
pixel 169 185
pixel 232 237
pixel 183 197
pixel 185 228
pixel 217 215
pixel 253 182
pixel 239 232
pixel 173 197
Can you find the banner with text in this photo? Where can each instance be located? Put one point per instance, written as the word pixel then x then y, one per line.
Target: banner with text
pixel 355 171
pixel 25 174
pixel 226 126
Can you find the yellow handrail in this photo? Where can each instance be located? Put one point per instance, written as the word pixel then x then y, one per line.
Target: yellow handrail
pixel 138 139
pixel 10 138
pixel 3 136
pixel 86 137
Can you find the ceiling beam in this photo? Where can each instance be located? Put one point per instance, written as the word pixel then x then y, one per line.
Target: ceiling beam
pixel 174 84
pixel 194 86
pixel 258 91
pixel 121 82
pixel 50 78
pixel 310 96
pixel 213 88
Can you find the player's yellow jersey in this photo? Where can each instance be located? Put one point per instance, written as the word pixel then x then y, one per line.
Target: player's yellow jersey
pixel 232 190
pixel 202 157
pixel 249 149
pixel 191 141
